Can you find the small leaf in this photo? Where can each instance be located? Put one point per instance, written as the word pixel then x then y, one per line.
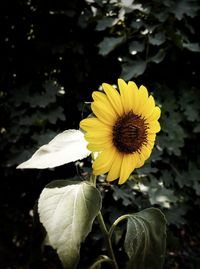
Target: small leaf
pixel 158 39
pixel 146 239
pixel 161 196
pixel 66 147
pixel 158 57
pixel 109 44
pixel 185 7
pixel 194 47
pixel 176 215
pixel 105 22
pixel 136 46
pixel 133 69
pixel 67 211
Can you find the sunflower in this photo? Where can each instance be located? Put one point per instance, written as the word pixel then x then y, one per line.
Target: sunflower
pixel 123 131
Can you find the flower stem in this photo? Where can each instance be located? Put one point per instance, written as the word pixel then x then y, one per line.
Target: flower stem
pixel 124 217
pixel 102 259
pixel 107 239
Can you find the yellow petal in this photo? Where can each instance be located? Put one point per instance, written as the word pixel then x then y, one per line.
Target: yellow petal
pixel 103 113
pixel 135 101
pixel 143 96
pixel 101 99
pixel 114 98
pixel 99 96
pixel 104 161
pixel 155 115
pixel 94 147
pixel 151 137
pixel 114 172
pixel 150 145
pixel 140 159
pixel 154 127
pixel 90 124
pixel 146 152
pixel 147 109
pixel 99 135
pixel 97 141
pixel 128 165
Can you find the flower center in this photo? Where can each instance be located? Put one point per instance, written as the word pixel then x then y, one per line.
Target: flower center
pixel 129 133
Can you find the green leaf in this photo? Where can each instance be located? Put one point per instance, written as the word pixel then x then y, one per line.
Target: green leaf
pixel 146 239
pixel 195 47
pixel 157 39
pixel 158 57
pixel 136 46
pixel 185 7
pixel 175 215
pixel 105 22
pixel 67 211
pixel 161 196
pixel 109 44
pixel 133 69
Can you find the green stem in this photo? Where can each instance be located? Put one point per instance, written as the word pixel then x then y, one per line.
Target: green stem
pixel 93 179
pixel 115 224
pixel 100 261
pixel 107 239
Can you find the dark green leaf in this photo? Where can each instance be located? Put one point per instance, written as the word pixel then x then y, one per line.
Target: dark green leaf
pixel 157 39
pixel 195 47
pixel 136 46
pixel 105 23
pixel 145 239
pixel 133 69
pixel 159 57
pixel 185 7
pixel 109 44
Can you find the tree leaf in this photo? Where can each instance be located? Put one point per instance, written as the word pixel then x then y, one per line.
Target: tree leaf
pixel 158 57
pixel 185 7
pixel 66 147
pixel 195 47
pixel 105 22
pixel 67 211
pixel 157 39
pixel 109 44
pixel 133 69
pixel 145 239
pixel 137 46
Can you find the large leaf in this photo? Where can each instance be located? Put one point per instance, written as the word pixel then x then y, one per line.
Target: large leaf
pixel 67 211
pixel 145 239
pixel 66 147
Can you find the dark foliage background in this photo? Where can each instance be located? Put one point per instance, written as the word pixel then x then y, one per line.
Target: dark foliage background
pixel 53 54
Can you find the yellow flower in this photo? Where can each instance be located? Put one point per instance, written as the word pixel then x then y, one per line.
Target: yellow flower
pixel 123 131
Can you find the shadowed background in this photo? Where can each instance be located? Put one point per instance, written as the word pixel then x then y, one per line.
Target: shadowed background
pixel 53 54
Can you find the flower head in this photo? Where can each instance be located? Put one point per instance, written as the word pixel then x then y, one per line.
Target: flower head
pixel 123 131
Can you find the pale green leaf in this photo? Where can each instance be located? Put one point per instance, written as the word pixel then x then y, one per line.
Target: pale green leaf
pixel 146 239
pixel 66 147
pixel 67 211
